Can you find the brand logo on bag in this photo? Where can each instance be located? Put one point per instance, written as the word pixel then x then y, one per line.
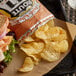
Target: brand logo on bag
pixel 15 7
pixel 19 10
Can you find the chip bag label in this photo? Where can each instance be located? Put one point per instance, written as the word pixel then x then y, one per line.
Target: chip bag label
pixel 25 16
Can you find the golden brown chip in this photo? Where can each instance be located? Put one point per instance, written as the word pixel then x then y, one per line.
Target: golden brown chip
pixel 55 46
pixel 62 35
pixel 40 32
pixel 39 46
pixel 28 45
pixel 28 39
pixel 46 41
pixel 52 32
pixel 43 28
pixel 60 46
pixel 49 54
pixel 27 66
pixel 32 48
pixel 35 38
pixel 59 38
pixel 40 35
pixel 63 45
pixel 36 59
pixel 62 31
pixel 50 23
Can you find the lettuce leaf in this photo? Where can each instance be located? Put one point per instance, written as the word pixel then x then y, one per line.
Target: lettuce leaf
pixel 11 49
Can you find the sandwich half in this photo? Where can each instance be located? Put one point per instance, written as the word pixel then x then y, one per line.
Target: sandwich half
pixel 7 43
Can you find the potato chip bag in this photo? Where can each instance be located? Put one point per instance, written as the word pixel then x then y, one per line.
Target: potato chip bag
pixel 25 16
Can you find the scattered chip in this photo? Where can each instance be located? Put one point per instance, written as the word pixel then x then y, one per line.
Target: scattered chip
pixel 32 48
pixel 28 39
pixel 43 28
pixel 27 66
pixel 48 42
pixel 50 23
pixel 55 46
pixel 63 45
pixel 62 31
pixel 49 54
pixel 40 33
pixel 52 32
pixel 36 59
pixel 59 37
pixel 60 46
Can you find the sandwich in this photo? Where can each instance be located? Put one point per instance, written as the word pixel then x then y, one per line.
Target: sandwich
pixel 7 43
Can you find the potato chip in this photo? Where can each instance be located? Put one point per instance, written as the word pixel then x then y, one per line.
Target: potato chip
pixel 28 39
pixel 32 48
pixel 55 46
pixel 52 32
pixel 27 66
pixel 49 54
pixel 40 35
pixel 59 38
pixel 27 45
pixel 36 59
pixel 43 28
pixel 39 46
pixel 50 23
pixel 62 31
pixel 28 51
pixel 40 32
pixel 46 41
pixel 63 45
pixel 35 38
pixel 60 46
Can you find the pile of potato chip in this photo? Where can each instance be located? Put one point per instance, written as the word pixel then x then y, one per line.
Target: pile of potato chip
pixel 47 43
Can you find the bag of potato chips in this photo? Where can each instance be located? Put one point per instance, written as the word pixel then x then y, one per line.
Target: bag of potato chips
pixel 25 16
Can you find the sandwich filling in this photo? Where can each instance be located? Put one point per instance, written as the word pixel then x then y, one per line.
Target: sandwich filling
pixel 7 42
